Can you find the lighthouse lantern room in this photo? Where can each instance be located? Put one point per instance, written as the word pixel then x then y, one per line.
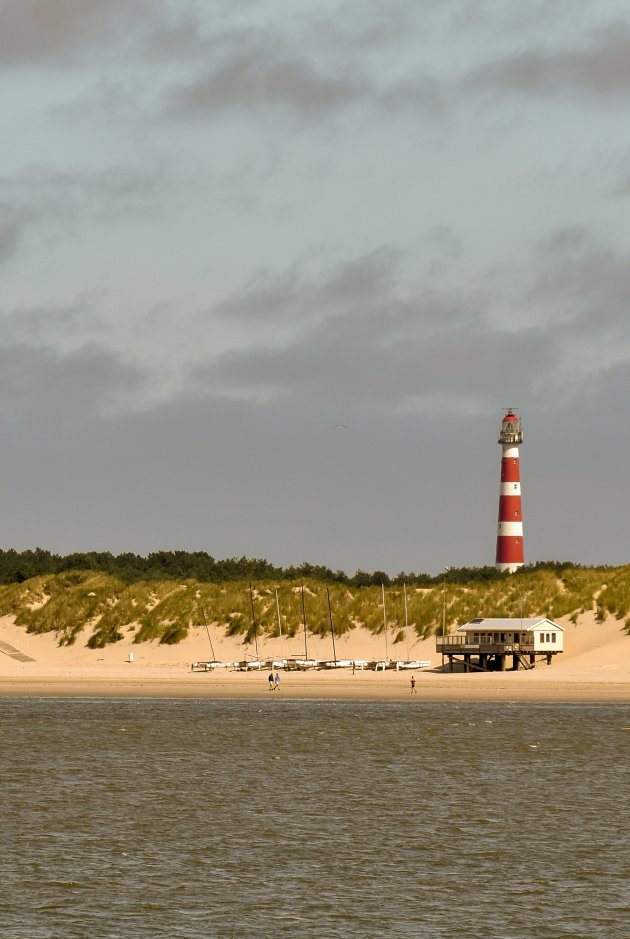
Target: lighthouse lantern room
pixel 510 554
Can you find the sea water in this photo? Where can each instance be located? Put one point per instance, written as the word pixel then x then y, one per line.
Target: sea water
pixel 181 818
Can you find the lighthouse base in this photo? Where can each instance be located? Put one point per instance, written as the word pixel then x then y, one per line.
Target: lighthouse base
pixel 510 566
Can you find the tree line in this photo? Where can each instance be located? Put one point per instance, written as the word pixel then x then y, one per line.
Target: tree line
pixel 18 566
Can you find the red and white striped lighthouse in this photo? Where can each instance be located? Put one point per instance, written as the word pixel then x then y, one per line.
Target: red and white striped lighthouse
pixel 510 530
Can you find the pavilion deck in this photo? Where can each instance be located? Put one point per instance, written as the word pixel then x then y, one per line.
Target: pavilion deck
pixel 489 655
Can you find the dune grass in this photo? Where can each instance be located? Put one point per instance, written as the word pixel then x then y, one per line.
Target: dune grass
pixel 73 600
pixel 101 609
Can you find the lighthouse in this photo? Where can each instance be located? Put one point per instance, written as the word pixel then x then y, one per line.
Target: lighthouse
pixel 510 529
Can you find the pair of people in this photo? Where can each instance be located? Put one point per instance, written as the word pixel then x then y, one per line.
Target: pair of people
pixel 274 683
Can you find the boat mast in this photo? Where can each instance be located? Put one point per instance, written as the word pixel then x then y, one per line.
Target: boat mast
pixel 332 628
pixel 406 611
pixel 385 622
pixel 406 618
pixel 304 621
pixel 251 597
pixel 205 622
pixel 279 624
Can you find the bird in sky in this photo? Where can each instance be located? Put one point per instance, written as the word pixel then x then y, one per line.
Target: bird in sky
pixel 339 427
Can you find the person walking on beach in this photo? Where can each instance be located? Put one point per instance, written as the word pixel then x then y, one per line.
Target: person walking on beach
pixel 413 685
pixel 277 680
pixel 271 685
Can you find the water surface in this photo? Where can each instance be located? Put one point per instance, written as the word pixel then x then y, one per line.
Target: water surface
pixel 156 818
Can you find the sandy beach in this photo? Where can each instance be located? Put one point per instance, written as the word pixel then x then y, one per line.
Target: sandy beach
pixel 594 667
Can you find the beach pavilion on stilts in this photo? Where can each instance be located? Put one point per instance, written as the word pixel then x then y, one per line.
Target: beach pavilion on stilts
pixel 496 644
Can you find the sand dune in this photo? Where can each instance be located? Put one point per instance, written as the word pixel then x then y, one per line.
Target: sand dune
pixel 594 667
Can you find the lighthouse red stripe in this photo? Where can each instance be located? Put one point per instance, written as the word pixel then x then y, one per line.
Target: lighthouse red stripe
pixel 509 550
pixel 510 509
pixel 510 470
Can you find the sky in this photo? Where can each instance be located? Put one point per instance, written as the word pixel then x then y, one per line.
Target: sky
pixel 227 228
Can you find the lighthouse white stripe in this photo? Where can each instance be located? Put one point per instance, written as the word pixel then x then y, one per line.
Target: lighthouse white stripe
pixel 510 528
pixel 511 566
pixel 512 452
pixel 510 489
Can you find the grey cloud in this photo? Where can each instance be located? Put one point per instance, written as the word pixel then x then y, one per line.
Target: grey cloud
pixel 277 297
pixel 619 182
pixel 418 93
pixel 59 32
pixel 306 68
pixel 601 67
pixel 589 278
pixel 603 400
pixel 90 379
pixel 40 196
pixel 14 221
pixel 365 298
pixel 357 361
pixel 188 35
pixel 361 279
pixel 360 334
pixel 509 18
pixel 364 28
pixel 61 325
pixel 107 192
pixel 447 246
pixel 262 78
pixel 53 30
pixel 178 38
pixel 361 26
pixel 45 29
pixel 255 81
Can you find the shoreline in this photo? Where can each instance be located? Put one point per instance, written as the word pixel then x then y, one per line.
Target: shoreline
pixel 323 687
